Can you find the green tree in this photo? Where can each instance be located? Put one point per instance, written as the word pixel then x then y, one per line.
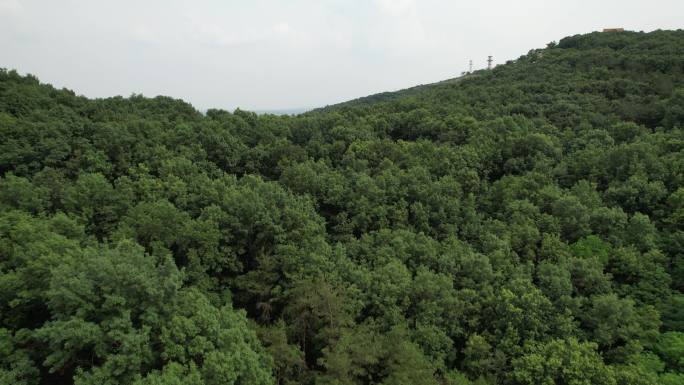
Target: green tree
pixel 561 362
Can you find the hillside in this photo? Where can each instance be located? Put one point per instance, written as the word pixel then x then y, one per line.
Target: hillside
pixel 385 97
pixel 523 225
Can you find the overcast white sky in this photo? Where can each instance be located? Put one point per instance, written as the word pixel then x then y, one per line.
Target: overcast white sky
pixel 267 54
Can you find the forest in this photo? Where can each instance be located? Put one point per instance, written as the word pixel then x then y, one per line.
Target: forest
pixel 522 225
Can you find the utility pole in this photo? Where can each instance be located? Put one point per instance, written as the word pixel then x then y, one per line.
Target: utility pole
pixel 470 66
pixel 489 62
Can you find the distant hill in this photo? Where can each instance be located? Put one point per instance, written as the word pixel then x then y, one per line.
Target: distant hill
pixel 389 96
pixel 639 58
pixel 285 111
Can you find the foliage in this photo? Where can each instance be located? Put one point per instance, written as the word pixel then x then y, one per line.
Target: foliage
pixel 523 225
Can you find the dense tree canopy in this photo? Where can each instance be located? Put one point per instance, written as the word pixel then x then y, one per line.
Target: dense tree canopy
pixel 521 225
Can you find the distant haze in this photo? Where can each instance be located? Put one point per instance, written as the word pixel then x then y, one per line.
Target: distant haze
pixel 285 55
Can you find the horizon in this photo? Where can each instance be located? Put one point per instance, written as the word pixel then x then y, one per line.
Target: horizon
pixel 269 57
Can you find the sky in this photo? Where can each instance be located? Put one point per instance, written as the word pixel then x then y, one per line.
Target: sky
pixel 289 54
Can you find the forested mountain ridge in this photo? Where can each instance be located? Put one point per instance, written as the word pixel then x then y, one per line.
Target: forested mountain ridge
pixel 524 225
